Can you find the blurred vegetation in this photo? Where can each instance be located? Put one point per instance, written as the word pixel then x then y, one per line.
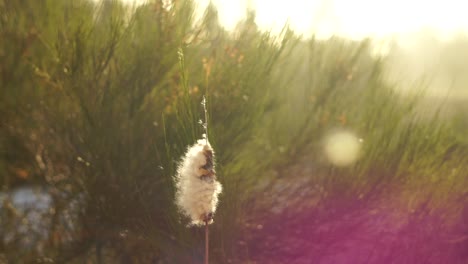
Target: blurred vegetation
pixel 101 100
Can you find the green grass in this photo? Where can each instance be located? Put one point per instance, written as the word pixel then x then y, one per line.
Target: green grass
pixel 122 91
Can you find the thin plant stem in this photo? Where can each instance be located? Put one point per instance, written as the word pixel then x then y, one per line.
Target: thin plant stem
pixel 207 243
pixel 205 126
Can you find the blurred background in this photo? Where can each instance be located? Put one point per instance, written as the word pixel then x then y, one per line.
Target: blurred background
pixel 340 130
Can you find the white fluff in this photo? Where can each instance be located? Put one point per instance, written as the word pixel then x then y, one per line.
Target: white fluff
pixel 197 188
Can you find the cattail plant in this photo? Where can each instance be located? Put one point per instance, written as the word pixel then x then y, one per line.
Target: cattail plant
pixel 196 184
pixel 197 188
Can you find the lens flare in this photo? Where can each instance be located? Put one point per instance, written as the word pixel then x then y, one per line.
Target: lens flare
pixel 342 148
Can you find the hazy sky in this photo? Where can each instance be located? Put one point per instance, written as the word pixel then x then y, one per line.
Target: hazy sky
pixel 352 18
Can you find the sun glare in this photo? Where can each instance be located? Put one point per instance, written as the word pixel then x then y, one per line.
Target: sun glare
pixel 355 19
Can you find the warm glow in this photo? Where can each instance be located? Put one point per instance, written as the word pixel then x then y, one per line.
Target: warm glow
pixel 356 19
pixel 342 148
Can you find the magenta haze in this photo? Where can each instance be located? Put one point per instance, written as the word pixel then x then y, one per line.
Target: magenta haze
pixel 345 231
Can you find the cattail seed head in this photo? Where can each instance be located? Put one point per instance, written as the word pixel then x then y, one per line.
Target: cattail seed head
pixel 196 184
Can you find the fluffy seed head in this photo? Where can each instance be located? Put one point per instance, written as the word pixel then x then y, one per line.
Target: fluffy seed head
pixel 197 188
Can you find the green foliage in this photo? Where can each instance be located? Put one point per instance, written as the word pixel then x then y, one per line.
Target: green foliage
pixel 109 97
